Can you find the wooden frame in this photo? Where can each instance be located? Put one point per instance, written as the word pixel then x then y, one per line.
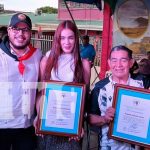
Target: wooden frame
pixel 132 117
pixel 61 112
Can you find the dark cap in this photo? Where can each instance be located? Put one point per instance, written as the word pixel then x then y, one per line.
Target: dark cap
pixel 20 17
pixel 86 37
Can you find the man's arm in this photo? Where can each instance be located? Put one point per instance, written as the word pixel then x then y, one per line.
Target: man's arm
pixel 102 120
pixel 94 113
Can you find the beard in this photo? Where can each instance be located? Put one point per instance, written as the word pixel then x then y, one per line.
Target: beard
pixel 20 47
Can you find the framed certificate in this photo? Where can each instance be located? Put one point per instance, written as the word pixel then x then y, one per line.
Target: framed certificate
pixel 61 112
pixel 132 117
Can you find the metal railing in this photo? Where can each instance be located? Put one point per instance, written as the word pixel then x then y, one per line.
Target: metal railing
pixel 44 42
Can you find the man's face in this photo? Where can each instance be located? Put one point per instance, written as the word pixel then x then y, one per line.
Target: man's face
pixel 120 64
pixel 85 41
pixel 19 36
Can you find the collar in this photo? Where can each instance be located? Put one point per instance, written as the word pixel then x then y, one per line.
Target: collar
pixel 18 56
pixel 114 82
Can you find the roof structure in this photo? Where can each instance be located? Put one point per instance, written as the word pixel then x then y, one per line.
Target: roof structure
pixel 49 22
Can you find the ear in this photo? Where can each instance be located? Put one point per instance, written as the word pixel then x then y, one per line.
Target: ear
pixel 131 62
pixel 8 30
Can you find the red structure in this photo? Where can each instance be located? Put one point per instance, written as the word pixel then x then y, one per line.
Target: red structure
pixel 79 11
pixel 107 40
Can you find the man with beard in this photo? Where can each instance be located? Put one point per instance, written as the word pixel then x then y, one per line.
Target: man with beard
pixel 19 67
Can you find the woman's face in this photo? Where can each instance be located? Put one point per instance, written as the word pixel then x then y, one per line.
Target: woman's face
pixel 67 40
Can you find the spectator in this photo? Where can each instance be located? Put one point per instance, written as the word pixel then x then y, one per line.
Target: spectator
pixel 101 112
pixel 134 69
pixel 144 72
pixel 87 50
pixel 19 67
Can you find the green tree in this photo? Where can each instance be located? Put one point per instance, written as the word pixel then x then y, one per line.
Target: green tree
pixel 48 10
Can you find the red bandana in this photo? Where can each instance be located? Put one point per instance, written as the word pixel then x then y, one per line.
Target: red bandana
pixel 21 66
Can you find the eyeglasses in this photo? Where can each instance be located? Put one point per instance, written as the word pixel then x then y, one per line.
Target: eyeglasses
pixel 17 30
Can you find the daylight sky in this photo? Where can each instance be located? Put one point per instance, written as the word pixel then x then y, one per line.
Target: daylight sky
pixel 28 5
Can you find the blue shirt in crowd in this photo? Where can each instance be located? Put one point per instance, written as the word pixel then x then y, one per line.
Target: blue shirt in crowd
pixel 87 52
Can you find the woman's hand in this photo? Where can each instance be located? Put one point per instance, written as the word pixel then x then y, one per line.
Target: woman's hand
pixel 35 124
pixel 77 138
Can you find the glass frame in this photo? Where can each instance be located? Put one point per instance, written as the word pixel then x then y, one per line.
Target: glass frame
pixel 131 116
pixel 66 119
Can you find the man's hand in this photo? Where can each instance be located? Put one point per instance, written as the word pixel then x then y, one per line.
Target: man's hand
pixel 109 115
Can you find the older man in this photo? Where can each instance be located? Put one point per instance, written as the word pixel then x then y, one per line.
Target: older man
pixel 101 112
pixel 19 67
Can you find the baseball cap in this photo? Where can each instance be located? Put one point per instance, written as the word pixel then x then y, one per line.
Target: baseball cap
pixel 86 37
pixel 20 17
